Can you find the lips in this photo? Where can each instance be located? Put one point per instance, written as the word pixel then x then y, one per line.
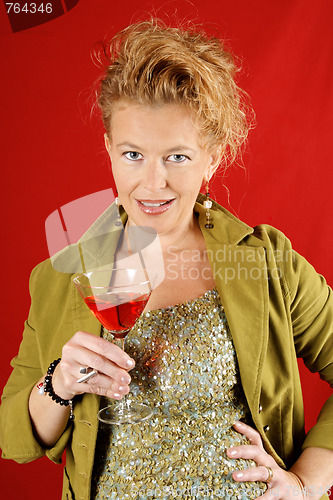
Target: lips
pixel 155 207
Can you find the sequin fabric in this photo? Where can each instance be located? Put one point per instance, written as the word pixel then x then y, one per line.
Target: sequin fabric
pixel 186 370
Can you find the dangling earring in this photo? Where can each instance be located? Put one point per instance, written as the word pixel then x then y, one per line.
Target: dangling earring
pixel 118 220
pixel 207 205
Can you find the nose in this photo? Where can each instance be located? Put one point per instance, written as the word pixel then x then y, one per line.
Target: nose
pixel 154 176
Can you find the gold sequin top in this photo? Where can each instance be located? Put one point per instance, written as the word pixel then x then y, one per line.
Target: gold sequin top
pixel 186 370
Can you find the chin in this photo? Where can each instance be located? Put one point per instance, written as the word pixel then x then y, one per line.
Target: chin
pixel 158 226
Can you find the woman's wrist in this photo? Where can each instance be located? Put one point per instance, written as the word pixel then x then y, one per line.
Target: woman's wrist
pixel 314 470
pixel 49 390
pixel 59 386
pixel 297 479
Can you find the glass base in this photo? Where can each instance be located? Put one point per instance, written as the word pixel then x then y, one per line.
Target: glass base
pixel 127 413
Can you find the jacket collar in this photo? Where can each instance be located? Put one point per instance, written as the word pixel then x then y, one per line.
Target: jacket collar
pixel 227 228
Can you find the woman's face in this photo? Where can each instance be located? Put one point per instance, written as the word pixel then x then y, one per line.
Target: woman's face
pixel 158 164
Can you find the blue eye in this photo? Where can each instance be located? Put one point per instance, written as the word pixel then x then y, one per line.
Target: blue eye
pixel 133 155
pixel 177 158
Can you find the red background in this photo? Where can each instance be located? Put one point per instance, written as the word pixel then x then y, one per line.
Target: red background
pixel 52 149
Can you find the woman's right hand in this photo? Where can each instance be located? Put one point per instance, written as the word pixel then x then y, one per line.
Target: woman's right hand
pixel 87 350
pixel 49 419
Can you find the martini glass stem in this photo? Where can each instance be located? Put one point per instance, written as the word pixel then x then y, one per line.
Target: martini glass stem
pixel 124 402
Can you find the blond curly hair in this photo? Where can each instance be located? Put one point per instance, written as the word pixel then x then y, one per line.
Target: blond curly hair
pixel 152 63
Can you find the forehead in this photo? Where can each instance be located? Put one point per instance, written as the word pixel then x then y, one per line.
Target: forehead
pixel 163 122
pixel 147 108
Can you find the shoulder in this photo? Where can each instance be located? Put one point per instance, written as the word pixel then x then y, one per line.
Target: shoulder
pixel 46 271
pixel 298 277
pixel 46 282
pixel 269 237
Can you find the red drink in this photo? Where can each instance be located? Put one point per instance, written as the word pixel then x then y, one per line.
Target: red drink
pixel 118 318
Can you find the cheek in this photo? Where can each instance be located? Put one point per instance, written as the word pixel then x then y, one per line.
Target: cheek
pixel 188 180
pixel 123 182
pixel 194 182
pixel 124 190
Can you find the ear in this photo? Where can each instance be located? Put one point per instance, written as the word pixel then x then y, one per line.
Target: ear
pixel 107 144
pixel 214 164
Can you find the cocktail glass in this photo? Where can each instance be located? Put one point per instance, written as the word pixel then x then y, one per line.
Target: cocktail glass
pixel 117 297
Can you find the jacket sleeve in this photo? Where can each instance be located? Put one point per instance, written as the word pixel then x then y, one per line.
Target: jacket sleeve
pixel 311 308
pixel 17 439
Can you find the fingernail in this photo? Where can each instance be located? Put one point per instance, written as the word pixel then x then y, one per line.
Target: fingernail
pixel 239 475
pixel 232 453
pixel 122 389
pixel 238 424
pixel 126 379
pixel 116 395
pixel 130 363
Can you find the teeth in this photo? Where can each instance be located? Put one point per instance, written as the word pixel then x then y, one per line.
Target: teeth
pixel 146 204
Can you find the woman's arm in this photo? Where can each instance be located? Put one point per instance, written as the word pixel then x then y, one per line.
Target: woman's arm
pixel 30 423
pixel 49 420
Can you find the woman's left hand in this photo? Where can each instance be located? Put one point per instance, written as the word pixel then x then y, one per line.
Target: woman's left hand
pixel 281 484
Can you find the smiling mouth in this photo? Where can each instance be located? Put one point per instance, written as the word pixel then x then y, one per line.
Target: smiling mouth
pixel 155 207
pixel 154 204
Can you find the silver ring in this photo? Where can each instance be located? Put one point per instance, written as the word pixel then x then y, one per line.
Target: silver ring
pixel 270 474
pixel 84 369
pixel 87 377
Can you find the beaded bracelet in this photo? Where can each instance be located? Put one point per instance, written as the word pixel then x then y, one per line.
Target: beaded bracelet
pixel 47 388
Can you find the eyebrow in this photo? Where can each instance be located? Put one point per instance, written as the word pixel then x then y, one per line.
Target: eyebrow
pixel 128 145
pixel 178 147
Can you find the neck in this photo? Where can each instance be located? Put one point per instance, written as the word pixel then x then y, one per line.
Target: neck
pixel 185 238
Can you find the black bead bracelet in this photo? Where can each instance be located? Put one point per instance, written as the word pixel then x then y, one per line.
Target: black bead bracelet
pixel 48 389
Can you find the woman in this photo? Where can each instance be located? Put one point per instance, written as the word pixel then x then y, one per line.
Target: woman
pixel 219 338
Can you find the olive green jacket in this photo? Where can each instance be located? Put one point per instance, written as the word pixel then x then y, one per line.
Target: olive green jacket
pixel 278 309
